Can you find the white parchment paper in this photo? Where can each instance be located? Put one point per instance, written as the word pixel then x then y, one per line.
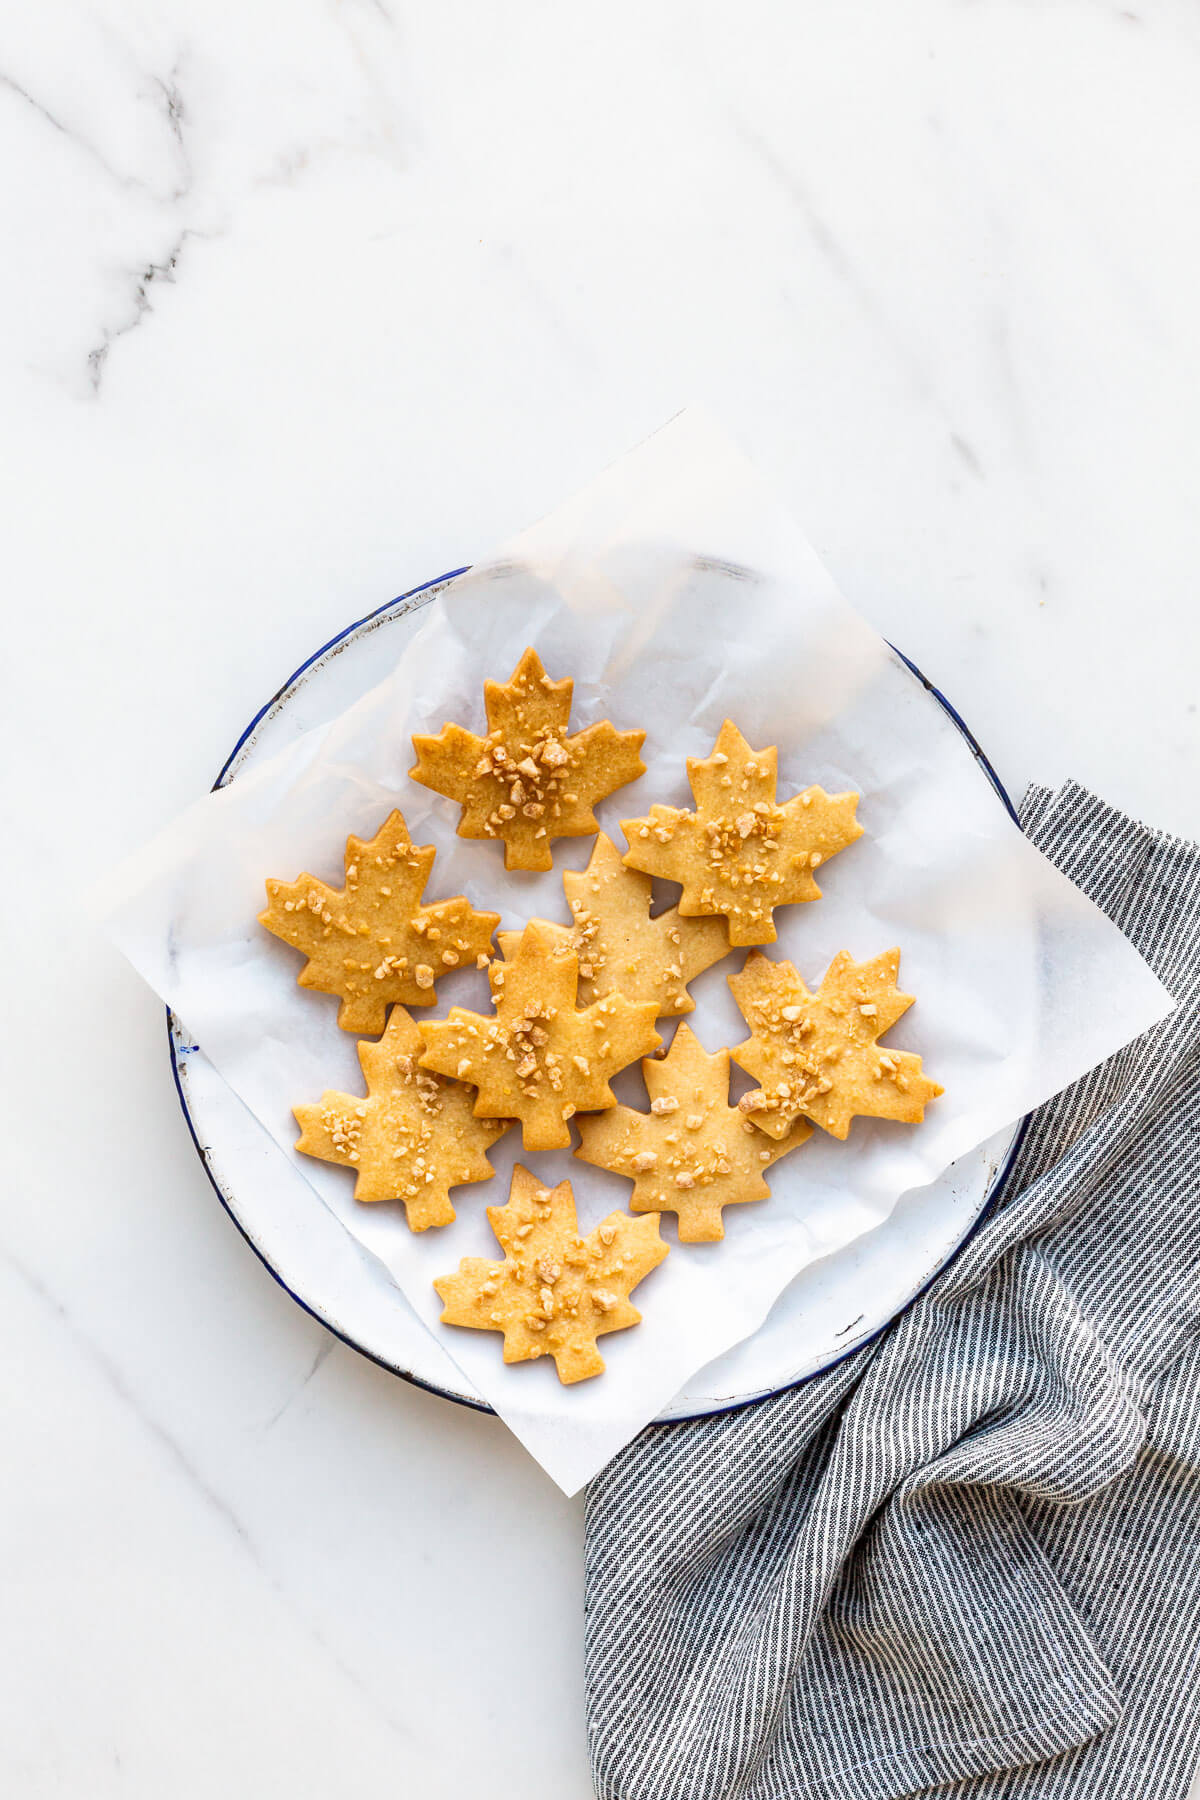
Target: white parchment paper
pixel 677 592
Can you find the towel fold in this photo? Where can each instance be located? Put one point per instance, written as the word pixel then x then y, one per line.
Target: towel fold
pixel 970 1553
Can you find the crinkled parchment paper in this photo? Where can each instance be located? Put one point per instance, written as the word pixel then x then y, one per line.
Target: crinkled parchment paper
pixel 676 592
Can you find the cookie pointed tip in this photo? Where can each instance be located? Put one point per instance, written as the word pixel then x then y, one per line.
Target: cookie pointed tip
pixel 529 665
pixel 730 738
pixel 684 1037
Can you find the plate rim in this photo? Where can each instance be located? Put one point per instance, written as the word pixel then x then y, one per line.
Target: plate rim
pixel 174 1031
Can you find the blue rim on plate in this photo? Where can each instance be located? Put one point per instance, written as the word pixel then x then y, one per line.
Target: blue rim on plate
pixel 999 1181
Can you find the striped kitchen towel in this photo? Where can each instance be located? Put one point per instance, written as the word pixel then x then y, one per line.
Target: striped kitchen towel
pixel 970 1554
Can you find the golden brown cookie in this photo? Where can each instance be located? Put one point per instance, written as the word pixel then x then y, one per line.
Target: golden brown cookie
pixel 412 1138
pixel 692 1153
pixel 528 782
pixel 816 1055
pixel 621 949
pixel 539 1059
pixel 555 1293
pixel 372 942
pixel 741 853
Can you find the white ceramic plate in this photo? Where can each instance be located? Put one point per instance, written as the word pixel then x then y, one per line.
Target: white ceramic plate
pixel 832 1308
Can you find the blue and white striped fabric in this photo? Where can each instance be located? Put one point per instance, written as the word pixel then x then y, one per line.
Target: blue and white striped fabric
pixel 970 1555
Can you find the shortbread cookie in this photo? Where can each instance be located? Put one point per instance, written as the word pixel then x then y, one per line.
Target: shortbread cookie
pixel 528 782
pixel 741 853
pixel 621 949
pixel 372 942
pixel 692 1153
pixel 412 1138
pixel 555 1293
pixel 539 1059
pixel 816 1055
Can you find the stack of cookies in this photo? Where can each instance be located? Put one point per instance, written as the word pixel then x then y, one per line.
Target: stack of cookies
pixel 574 1004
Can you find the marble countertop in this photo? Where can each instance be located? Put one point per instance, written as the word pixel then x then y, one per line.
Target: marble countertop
pixel 307 303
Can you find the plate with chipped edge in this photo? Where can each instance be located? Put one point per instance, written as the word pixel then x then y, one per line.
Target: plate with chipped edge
pixel 830 1310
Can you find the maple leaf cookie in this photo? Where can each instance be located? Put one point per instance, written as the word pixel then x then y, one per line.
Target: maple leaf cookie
pixel 372 942
pixel 412 1138
pixel 621 949
pixel 528 782
pixel 555 1292
pixel 539 1059
pixel 816 1055
pixel 692 1153
pixel 742 853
